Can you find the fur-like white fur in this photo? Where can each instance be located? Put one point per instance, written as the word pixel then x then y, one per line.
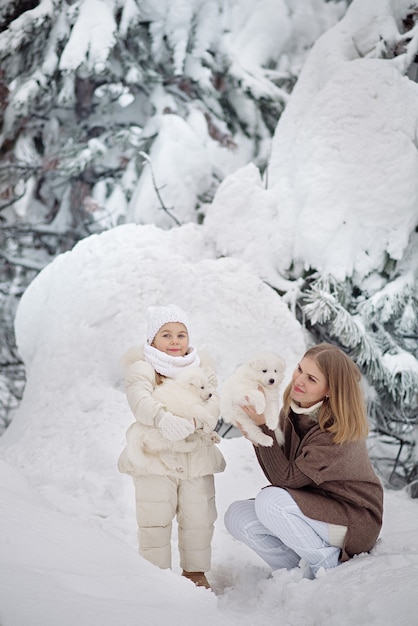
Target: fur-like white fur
pixel 190 396
pixel 264 369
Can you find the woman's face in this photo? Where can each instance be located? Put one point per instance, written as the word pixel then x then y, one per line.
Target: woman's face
pixel 309 385
pixel 172 338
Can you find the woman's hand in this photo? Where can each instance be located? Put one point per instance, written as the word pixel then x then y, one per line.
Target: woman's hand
pixel 244 433
pixel 258 419
pixel 250 411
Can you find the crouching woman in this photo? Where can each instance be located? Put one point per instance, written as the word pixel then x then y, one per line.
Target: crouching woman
pixel 324 503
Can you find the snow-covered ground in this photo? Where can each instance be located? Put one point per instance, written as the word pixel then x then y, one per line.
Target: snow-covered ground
pixel 60 568
pixel 67 523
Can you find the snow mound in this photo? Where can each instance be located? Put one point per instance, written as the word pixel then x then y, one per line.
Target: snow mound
pixel 85 310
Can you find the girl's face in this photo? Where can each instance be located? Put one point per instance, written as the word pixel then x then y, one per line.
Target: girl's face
pixel 172 338
pixel 309 385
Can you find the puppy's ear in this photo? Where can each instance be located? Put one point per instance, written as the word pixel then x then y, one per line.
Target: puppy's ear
pixel 195 382
pixel 256 364
pixel 281 366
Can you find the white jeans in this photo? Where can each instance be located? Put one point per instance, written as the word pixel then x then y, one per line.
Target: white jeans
pixel 276 529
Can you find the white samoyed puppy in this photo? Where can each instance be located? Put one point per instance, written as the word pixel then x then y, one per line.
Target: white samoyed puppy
pixel 241 388
pixel 190 396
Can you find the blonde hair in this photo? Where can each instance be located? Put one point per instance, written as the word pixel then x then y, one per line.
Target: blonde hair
pixel 343 413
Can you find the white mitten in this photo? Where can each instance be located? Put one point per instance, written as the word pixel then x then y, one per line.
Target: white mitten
pixel 175 428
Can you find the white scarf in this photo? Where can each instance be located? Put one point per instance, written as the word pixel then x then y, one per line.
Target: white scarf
pixel 311 410
pixel 168 365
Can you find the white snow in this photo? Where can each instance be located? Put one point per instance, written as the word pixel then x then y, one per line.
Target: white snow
pixel 92 37
pixel 341 185
pixel 68 547
pixel 247 38
pixel 67 522
pixel 180 157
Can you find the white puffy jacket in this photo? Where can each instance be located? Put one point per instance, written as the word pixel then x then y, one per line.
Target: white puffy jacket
pixel 139 385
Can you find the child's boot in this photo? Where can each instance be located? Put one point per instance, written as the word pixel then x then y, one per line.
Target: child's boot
pixel 198 578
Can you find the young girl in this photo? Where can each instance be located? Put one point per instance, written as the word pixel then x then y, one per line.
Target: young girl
pixel 160 493
pixel 324 502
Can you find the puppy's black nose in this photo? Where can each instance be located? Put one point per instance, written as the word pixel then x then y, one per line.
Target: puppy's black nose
pixel 210 395
pixel 271 381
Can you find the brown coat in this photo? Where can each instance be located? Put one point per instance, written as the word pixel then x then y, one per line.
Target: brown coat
pixel 333 483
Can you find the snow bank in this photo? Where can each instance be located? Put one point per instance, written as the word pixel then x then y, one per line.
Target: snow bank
pixel 341 192
pixel 85 310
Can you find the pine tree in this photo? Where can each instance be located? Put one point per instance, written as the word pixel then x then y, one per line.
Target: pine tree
pixel 85 78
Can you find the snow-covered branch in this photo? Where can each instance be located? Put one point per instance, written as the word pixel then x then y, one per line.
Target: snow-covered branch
pixel 378 353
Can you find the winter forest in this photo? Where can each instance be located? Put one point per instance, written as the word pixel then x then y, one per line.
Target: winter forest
pixel 291 124
pixel 254 161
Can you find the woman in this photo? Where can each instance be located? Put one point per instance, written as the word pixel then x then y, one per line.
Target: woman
pixel 325 502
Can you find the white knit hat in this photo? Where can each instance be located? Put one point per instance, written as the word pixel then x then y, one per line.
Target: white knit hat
pixel 157 316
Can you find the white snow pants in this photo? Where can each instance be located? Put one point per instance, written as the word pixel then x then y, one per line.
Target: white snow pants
pixel 158 500
pixel 276 529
